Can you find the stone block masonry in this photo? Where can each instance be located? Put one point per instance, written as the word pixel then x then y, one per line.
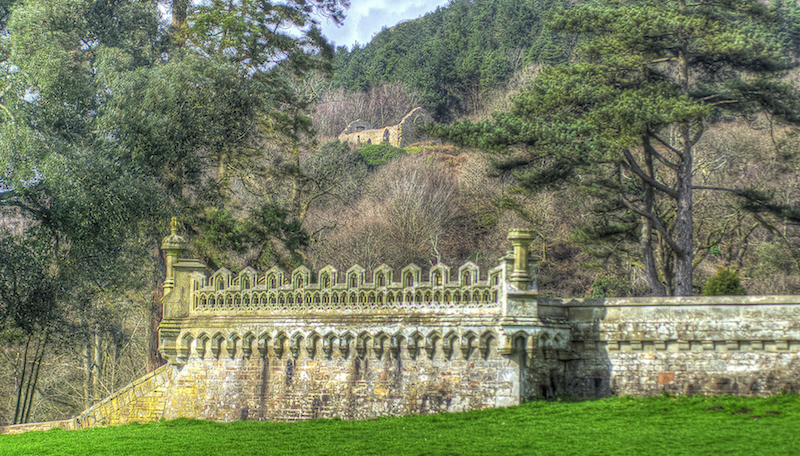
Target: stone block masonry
pixel 742 345
pixel 360 344
pixel 360 133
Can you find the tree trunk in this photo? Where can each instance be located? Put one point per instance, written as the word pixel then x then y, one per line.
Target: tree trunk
pixel 646 239
pixel 154 359
pixel 684 222
pixel 180 10
pixel 21 384
pixel 96 362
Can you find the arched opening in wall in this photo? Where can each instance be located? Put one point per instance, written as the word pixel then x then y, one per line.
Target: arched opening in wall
pixel 381 281
pixel 246 283
pixel 437 278
pixel 386 135
pixel 272 281
pixel 369 141
pixel 408 279
pixel 353 281
pixel 325 280
pixel 466 279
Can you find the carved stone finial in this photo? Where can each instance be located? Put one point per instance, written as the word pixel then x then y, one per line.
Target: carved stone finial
pixel 173 245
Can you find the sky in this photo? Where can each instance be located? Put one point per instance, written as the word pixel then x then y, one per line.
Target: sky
pixel 365 18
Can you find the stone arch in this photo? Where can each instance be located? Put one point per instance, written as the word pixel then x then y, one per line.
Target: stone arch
pixel 414 344
pixel 217 342
pixel 544 339
pixel 344 344
pixel 488 341
pixel 468 344
pixel 247 344
pixel 397 344
pixel 263 344
pixel 312 342
pixel 431 341
pixel 448 343
pixel 378 343
pixel 279 344
pixel 233 344
pixel 328 343
pixel 202 345
pixel 297 340
pixel 185 350
pixel 361 344
pixel 386 135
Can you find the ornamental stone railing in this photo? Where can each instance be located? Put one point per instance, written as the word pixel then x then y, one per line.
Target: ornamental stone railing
pixel 356 290
pixel 442 289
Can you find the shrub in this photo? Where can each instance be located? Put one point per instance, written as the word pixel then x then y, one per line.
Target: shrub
pixel 609 286
pixel 380 154
pixel 723 283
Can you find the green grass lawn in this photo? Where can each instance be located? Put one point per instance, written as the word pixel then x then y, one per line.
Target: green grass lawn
pixel 625 425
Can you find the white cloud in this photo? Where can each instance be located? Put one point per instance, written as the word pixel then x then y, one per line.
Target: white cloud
pixel 365 18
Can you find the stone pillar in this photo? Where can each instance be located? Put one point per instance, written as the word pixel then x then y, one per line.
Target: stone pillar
pixel 173 245
pixel 520 240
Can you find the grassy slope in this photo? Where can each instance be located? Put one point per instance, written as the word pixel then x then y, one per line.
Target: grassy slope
pixel 684 425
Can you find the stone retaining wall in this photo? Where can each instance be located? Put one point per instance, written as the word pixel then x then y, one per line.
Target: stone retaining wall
pixel 745 345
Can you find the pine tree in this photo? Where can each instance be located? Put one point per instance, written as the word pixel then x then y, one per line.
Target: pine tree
pixel 622 120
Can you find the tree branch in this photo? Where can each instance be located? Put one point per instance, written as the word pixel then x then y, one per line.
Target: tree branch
pixel 656 224
pixel 647 179
pixel 667 145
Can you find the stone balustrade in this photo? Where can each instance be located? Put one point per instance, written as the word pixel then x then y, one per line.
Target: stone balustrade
pixel 277 291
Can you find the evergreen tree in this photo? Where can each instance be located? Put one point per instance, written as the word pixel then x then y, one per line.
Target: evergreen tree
pixel 622 121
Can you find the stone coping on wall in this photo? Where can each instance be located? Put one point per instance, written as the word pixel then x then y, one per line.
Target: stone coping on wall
pixel 765 300
pixel 66 425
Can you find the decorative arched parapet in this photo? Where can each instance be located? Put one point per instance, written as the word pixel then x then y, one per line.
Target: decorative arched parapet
pixel 411 276
pixel 468 274
pixel 246 280
pixel 439 276
pixel 274 278
pixel 328 277
pixel 221 280
pixel 355 277
pixel 301 277
pixel 382 276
